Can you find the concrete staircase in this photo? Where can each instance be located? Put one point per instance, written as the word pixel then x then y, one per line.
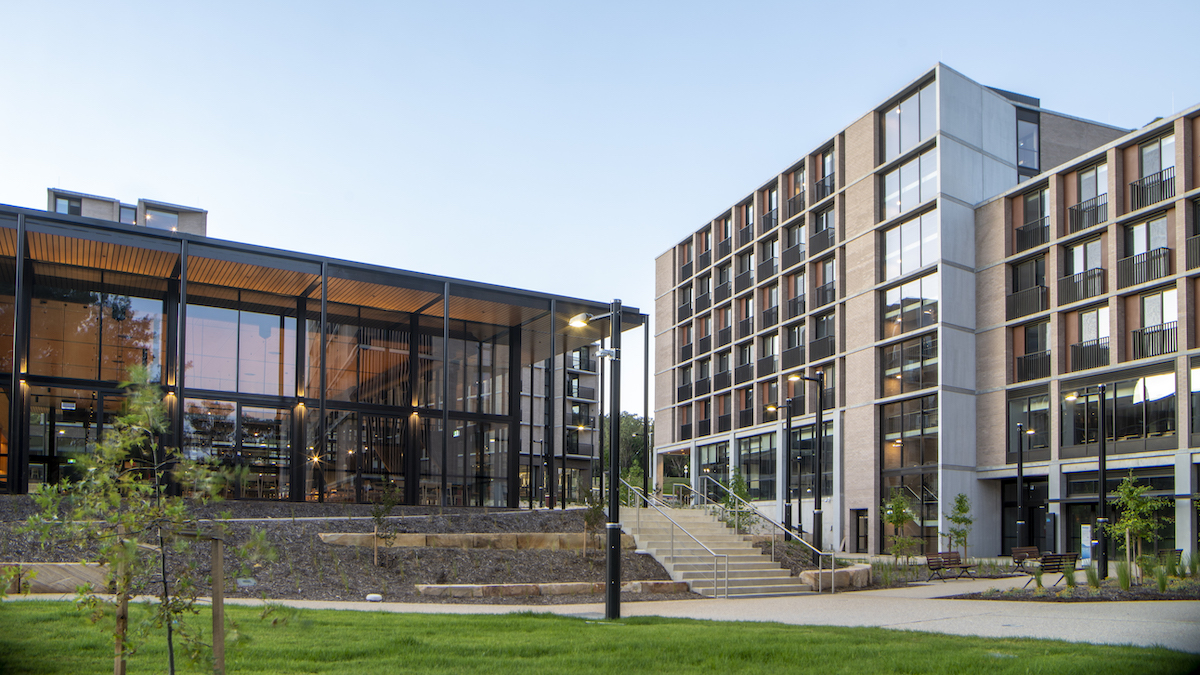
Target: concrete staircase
pixel 751 572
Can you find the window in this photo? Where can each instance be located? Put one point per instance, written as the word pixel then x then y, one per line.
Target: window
pixel 1028 142
pixel 685 295
pixel 1033 413
pixel 912 183
pixel 745 262
pixel 704 325
pixel 1160 308
pixel 705 237
pixel 911 306
pixel 911 245
pixel 724 228
pixel 1147 236
pixel 756 458
pixel 723 361
pixel 772 199
pixel 910 430
pixel 1029 274
pixel 748 214
pixel 1093 182
pixel 910 366
pixel 745 354
pixel 827 163
pixel 68 205
pixel 1093 324
pixel 795 285
pixel 768 345
pixel 713 460
pixel 795 235
pixel 1157 155
pixel 770 296
pixel 745 307
pixel 704 285
pixel 794 336
pixel 703 369
pixel 912 120
pixel 128 215
pixel 685 334
pixel 724 317
pixel 1035 206
pixel 797 179
pixel 1137 408
pixel 824 326
pixel 723 274
pixel 1083 257
pixel 1037 337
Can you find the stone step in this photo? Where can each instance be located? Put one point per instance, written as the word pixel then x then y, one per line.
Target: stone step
pixel 734 574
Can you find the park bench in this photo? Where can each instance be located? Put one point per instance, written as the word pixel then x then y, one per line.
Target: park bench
pixel 1054 563
pixel 1024 555
pixel 947 561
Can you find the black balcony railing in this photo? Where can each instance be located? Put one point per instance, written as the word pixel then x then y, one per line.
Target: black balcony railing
pixel 685 352
pixel 724 422
pixel 685 310
pixel 793 357
pixel 793 255
pixel 722 380
pixel 822 347
pixel 795 204
pixel 722 292
pixel 705 345
pixel 766 366
pixel 1143 267
pixel 824 187
pixel 1152 189
pixel 724 336
pixel 745 236
pixel 767 268
pixel 685 432
pixel 724 248
pixel 770 317
pixel 1089 354
pixel 1088 213
pixel 745 327
pixel 703 428
pixel 829 398
pixel 1086 284
pixel 1032 234
pixel 580 391
pixel 743 373
pixel 1028 301
pixel 1033 366
pixel 743 281
pixel 685 271
pixel 826 294
pixel 702 386
pixel 769 220
pixel 795 307
pixel 1155 340
pixel 746 418
pixel 577 362
pixel 703 302
pixel 704 260
pixel 583 421
pixel 683 392
pixel 585 449
pixel 822 240
pixel 1193 252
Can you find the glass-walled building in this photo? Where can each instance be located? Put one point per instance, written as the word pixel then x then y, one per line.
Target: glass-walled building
pixel 325 379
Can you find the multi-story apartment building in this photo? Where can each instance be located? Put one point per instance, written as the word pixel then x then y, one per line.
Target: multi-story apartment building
pixel 147 213
pixel 858 262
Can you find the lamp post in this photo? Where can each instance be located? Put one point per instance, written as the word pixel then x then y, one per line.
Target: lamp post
pixel 1102 517
pixel 787 461
pixel 1021 484
pixel 612 594
pixel 817 519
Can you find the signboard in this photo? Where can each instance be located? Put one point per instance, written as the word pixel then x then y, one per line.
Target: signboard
pixel 68 405
pixel 246 583
pixel 1085 546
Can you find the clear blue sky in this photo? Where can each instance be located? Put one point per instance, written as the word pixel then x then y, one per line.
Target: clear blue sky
pixel 558 146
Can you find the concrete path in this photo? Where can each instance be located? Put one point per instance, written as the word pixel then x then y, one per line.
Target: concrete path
pixel 922 607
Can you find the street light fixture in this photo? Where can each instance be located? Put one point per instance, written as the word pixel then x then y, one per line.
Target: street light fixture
pixel 787 460
pixel 817 518
pixel 1022 526
pixel 1102 467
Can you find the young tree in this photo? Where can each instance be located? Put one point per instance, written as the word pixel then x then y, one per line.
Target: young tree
pixel 1139 517
pixel 118 506
pixel 960 516
pixel 899 513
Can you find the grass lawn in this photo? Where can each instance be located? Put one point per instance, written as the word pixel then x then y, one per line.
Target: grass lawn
pixel 51 637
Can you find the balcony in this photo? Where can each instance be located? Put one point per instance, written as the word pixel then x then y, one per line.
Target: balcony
pixel 579 391
pixel 824 187
pixel 795 204
pixel 722 380
pixel 1028 301
pixel 745 236
pixel 703 386
pixel 793 255
pixel 582 449
pixel 822 347
pixel 685 271
pixel 795 307
pixel 705 345
pixel 793 357
pixel 766 365
pixel 745 328
pixel 724 422
pixel 769 220
pixel 577 362
pixel 1032 234
pixel 685 352
pixel 1143 267
pixel 1193 252
pixel 767 268
pixel 703 427
pixel 828 398
pixel 770 317
pixel 746 418
pixel 724 248
pixel 724 336
pixel 581 421
pixel 1087 214
pixel 1086 284
pixel 743 373
pixel 1033 366
pixel 1152 189
pixel 826 294
pixel 703 302
pixel 685 311
pixel 822 240
pixel 685 432
pixel 723 292
pixel 743 281
pixel 1155 340
pixel 683 392
pixel 1089 354
pixel 704 260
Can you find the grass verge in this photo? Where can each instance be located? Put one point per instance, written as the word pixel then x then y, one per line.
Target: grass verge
pixel 51 637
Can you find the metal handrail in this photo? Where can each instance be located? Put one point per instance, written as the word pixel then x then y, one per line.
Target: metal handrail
pixel 650 500
pixel 778 528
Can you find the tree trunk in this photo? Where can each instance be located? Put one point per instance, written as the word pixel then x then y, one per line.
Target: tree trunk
pixel 121 627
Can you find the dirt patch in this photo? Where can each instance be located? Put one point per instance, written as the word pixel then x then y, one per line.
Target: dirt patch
pixel 1109 591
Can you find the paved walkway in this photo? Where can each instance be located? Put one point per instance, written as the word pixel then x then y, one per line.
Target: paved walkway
pixel 1175 624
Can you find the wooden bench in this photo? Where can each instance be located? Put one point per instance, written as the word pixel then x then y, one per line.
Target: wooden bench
pixel 947 561
pixel 1061 564
pixel 1023 555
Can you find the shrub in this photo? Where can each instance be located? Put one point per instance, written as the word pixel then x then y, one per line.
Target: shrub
pixel 1124 575
pixel 1161 578
pixel 1093 576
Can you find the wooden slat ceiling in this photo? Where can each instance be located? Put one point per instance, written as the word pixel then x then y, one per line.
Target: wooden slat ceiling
pixel 392 298
pixel 248 277
pixel 8 242
pixel 110 257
